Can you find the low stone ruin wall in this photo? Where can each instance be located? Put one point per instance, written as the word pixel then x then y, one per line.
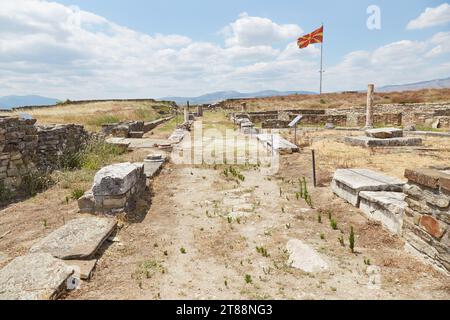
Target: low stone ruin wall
pixel 427 217
pixel 132 129
pixel 116 189
pixel 58 141
pixel 25 146
pixel 433 115
pixel 274 124
pixel 381 119
pixel 321 120
pixel 18 144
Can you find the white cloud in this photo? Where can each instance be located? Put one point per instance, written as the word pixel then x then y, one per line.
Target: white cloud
pixel 431 17
pixel 398 62
pixel 54 50
pixel 441 42
pixel 250 31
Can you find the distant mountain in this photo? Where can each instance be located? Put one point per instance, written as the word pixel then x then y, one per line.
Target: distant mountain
pixel 432 84
pixel 9 102
pixel 224 95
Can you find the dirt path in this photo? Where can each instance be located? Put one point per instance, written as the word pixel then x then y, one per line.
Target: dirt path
pixel 200 238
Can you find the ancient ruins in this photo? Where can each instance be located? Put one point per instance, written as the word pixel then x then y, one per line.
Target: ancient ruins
pixel 211 201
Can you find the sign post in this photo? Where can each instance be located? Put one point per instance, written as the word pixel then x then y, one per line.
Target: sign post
pixel 294 125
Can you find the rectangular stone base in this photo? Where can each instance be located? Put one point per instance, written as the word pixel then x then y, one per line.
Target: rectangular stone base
pixel 348 194
pixel 370 142
pixel 348 183
pixel 384 207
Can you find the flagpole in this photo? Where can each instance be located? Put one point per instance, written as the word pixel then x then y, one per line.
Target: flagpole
pixel 321 65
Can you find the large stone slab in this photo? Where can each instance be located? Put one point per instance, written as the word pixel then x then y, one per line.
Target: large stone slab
pixel 384 133
pixel 37 276
pixel 302 256
pixel 278 143
pixel 347 183
pixel 82 268
pixel 385 207
pixel 78 239
pixel 369 142
pixel 116 179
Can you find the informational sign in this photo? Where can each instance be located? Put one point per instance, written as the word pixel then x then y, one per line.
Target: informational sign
pixel 295 121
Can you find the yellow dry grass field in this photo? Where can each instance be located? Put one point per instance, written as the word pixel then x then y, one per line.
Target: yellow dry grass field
pixel 332 153
pixel 94 114
pixel 340 100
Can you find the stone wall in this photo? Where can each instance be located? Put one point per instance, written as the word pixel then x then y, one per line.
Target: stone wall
pixel 25 146
pixel 274 124
pixel 58 141
pixel 425 114
pixel 18 143
pixel 427 216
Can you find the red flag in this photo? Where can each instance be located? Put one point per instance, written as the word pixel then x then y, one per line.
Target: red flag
pixel 313 37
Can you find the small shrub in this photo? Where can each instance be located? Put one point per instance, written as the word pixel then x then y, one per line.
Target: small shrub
pixel 183 250
pixel 351 239
pixel 322 236
pixel 319 218
pixel 333 224
pixel 35 182
pixel 97 154
pixel 367 262
pixel 77 193
pixel 248 279
pixel 341 240
pixel 5 193
pixel 262 251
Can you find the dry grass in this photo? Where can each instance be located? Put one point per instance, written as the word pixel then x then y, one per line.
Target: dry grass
pixel 341 100
pixel 333 155
pixel 94 114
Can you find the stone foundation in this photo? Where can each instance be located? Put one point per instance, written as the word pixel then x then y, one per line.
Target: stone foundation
pixel 384 207
pixel 116 189
pixel 369 142
pixel 18 143
pixel 425 114
pixel 58 141
pixel 427 217
pixel 26 147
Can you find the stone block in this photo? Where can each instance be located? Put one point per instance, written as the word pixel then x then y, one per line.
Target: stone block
pixel 136 134
pixel 348 183
pixel 384 207
pixel 369 142
pixel 117 179
pixel 36 276
pixel 424 177
pixel 82 268
pixel 432 226
pixel 87 203
pixel 385 133
pixel 114 203
pixel 302 256
pixel 79 239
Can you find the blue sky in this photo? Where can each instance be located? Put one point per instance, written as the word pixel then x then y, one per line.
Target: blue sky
pixel 136 48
